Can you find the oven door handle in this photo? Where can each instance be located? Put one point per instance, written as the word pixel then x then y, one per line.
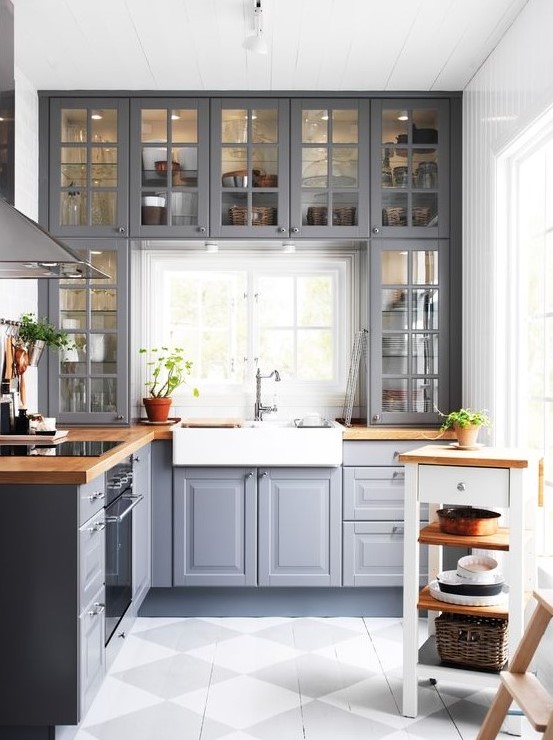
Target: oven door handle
pixel 135 501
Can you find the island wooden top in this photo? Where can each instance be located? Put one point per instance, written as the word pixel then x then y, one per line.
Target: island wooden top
pixel 484 457
pixel 31 469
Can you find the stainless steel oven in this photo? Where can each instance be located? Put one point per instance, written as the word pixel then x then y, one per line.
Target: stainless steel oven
pixel 120 502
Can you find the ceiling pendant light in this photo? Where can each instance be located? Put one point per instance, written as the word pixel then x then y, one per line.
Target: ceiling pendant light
pixel 256 41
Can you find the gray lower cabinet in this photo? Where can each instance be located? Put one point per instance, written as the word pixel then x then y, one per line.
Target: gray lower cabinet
pixel 215 514
pixel 142 526
pixel 248 527
pixel 373 510
pixel 299 527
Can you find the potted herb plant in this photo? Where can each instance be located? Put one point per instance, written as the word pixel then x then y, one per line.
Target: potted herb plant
pixel 466 424
pixel 168 369
pixel 34 334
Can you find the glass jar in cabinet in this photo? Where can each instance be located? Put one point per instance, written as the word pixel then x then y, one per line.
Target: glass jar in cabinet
pixel 410 168
pixel 88 156
pixel 329 168
pixel 88 380
pixel 169 167
pixel 249 168
pixel 409 373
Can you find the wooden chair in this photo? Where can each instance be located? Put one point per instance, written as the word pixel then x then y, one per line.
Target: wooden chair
pixel 520 686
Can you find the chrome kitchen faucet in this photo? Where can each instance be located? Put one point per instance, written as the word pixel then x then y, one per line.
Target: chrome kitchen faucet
pixel 259 408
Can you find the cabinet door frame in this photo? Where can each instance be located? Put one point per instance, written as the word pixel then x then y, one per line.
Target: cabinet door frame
pixel 54 164
pixel 329 570
pixel 297 228
pixel 442 107
pixel 49 392
pixel 138 229
pixel 376 414
pixel 279 230
pixel 242 571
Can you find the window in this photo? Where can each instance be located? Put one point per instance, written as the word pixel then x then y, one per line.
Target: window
pixel 235 312
pixel 527 311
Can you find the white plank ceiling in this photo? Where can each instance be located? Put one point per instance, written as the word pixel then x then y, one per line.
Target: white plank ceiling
pixel 334 45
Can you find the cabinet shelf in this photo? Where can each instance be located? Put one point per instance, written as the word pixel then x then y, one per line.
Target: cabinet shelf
pixel 429 603
pixel 431 535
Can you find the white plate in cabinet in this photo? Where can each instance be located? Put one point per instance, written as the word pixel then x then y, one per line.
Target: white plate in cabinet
pixel 464 485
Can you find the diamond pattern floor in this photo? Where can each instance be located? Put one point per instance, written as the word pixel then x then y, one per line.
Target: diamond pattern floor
pixel 271 678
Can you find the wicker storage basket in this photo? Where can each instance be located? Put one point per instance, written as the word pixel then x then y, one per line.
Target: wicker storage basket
pixel 261 216
pixel 475 642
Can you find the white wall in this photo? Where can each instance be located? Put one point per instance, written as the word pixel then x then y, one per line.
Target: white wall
pixel 17 296
pixel 512 88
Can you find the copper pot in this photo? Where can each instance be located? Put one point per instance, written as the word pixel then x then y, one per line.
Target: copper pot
pixel 464 520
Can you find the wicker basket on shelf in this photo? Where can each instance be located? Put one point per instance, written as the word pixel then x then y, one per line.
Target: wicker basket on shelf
pixel 261 216
pixel 317 216
pixel 474 642
pixel 344 216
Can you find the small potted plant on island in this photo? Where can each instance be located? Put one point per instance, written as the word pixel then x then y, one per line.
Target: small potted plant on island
pixel 466 424
pixel 168 370
pixel 34 334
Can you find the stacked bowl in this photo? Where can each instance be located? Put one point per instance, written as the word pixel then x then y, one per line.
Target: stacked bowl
pixel 476 576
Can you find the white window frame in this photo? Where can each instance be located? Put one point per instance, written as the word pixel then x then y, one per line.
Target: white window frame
pixel 343 262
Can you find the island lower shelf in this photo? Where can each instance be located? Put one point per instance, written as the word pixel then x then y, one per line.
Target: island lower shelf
pixel 429 603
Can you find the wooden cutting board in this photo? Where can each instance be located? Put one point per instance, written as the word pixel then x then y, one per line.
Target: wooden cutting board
pixel 211 423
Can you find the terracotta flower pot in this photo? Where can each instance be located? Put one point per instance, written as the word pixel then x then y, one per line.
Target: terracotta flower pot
pixel 467 436
pixel 157 409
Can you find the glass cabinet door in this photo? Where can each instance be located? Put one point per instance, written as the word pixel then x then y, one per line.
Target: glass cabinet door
pixel 329 167
pixel 169 162
pixel 410 193
pixel 408 331
pixel 88 167
pixel 249 191
pixel 89 378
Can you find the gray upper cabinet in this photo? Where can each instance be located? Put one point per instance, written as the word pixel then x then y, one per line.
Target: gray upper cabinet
pixel 329 168
pixel 88 382
pixel 410 168
pixel 250 168
pixel 300 513
pixel 169 173
pixel 88 167
pixel 214 515
pixel 409 351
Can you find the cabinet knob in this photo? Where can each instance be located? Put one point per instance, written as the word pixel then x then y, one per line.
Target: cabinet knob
pixel 136 458
pixel 282 230
pixel 96 495
pixel 120 417
pixel 264 474
pixel 202 229
pixel 398 476
pixel 295 230
pixel 376 417
pixel 376 230
pixel 461 487
pixel 121 230
pixel 249 475
pixel 98 609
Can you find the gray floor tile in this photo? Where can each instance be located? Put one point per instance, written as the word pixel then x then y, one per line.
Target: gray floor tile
pixel 323 721
pixel 188 634
pixel 308 634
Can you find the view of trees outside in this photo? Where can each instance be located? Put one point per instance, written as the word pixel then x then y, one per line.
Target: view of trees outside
pixel 230 322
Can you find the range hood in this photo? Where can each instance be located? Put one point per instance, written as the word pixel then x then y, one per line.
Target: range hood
pixel 28 251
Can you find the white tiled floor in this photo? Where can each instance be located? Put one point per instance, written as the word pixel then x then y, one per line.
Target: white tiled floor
pixel 271 678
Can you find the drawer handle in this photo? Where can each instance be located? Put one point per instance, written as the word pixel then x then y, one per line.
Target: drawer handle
pixel 398 530
pixel 398 476
pixel 98 609
pixel 98 527
pixel 461 487
pixel 396 455
pixel 96 496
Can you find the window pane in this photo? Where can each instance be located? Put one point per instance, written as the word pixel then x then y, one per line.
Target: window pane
pixel 315 355
pixel 315 301
pixel 276 301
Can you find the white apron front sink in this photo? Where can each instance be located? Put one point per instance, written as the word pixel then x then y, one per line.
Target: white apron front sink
pixel 258 443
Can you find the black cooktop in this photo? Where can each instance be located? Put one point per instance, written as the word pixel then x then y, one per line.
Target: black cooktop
pixel 62 449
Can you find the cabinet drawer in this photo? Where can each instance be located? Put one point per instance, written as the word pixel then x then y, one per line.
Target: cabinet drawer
pixel 376 453
pixel 464 485
pixel 92 548
pixel 373 554
pixel 373 493
pixel 92 498
pixel 92 650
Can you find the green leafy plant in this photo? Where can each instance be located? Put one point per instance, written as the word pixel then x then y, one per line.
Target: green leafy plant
pixel 465 418
pixel 33 330
pixel 168 369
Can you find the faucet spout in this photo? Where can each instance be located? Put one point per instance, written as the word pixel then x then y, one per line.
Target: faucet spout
pixel 259 408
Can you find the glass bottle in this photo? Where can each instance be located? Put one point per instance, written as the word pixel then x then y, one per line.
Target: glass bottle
pixel 7 414
pixel 22 422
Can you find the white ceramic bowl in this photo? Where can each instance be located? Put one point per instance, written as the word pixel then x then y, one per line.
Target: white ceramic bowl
pixel 478 568
pixel 153 200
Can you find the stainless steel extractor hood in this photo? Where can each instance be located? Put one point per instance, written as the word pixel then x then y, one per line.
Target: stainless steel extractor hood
pixel 28 251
